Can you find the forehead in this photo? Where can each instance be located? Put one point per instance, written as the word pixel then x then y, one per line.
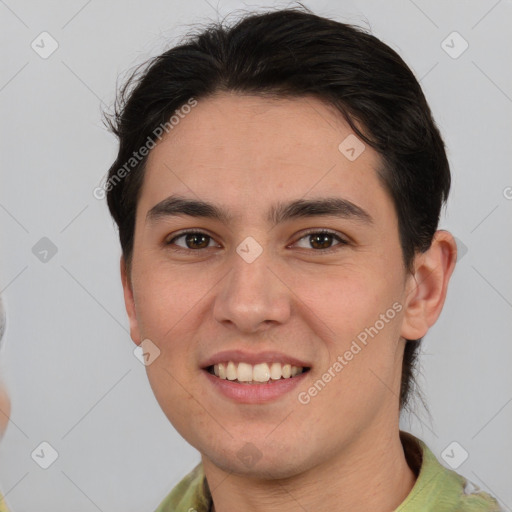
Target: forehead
pixel 241 149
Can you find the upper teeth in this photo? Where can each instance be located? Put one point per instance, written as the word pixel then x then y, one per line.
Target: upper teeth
pixel 262 372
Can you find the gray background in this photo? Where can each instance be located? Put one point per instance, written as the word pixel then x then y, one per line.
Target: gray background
pixel 68 360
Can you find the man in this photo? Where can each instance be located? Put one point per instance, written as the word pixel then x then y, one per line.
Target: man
pixel 277 190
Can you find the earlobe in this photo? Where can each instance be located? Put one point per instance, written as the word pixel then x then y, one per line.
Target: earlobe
pixel 427 286
pixel 129 302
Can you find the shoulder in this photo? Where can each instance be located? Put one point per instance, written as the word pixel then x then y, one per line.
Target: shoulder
pixel 439 488
pixel 473 499
pixel 188 495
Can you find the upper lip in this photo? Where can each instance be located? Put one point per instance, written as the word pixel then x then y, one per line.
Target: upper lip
pixel 241 356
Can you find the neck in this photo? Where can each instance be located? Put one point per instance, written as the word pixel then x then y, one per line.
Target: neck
pixel 372 474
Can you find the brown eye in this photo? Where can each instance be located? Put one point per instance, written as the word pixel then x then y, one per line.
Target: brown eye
pixel 322 240
pixel 197 240
pixel 193 240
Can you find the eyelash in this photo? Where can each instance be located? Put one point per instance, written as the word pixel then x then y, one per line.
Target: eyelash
pixel 341 240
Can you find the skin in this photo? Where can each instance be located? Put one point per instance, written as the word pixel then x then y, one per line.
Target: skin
pixel 342 450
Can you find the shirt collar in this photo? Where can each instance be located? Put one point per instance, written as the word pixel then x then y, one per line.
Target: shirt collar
pixel 437 488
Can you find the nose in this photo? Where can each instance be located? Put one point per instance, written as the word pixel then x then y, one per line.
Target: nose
pixel 252 296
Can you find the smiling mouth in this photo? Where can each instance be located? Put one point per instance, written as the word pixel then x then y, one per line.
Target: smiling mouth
pixel 262 373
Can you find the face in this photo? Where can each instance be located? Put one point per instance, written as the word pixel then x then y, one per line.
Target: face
pixel 251 287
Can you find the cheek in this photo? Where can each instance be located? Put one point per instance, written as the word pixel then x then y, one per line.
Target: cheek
pixel 356 312
pixel 163 298
pixel 165 304
pixel 168 304
pixel 346 299
pixel 176 397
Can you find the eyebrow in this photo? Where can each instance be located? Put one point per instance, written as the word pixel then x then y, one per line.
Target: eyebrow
pixel 277 214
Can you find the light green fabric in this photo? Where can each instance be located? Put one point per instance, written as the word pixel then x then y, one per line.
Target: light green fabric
pixel 189 495
pixel 437 488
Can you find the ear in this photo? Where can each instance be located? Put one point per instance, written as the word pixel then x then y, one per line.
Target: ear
pixel 129 302
pixel 426 288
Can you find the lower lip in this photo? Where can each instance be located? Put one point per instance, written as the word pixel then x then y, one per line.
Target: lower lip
pixel 255 393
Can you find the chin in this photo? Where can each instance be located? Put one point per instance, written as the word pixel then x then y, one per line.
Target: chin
pixel 269 463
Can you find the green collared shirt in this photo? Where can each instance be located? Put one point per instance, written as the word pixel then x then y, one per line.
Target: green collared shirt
pixel 437 488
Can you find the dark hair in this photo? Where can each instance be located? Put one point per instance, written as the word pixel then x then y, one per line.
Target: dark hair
pixel 294 53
